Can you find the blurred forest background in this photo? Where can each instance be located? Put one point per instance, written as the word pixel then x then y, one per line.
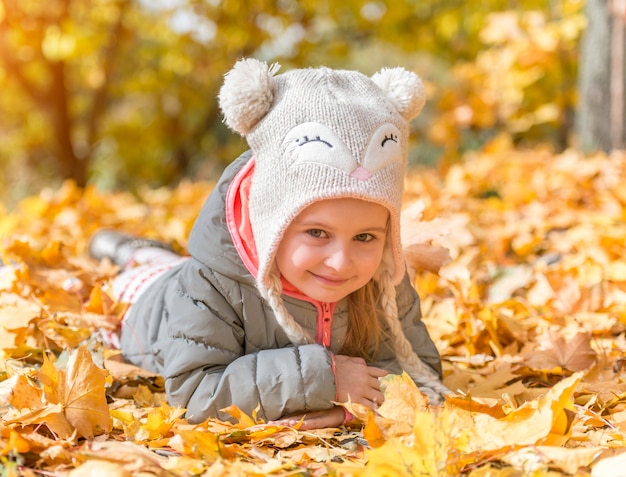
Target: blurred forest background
pixel 121 94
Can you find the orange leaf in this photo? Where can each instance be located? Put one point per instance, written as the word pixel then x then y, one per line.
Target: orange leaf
pixel 80 390
pixel 200 444
pixel 372 432
pixel 471 405
pixel 243 420
pixel 15 444
pixel 24 394
pixel 49 379
pixel 543 421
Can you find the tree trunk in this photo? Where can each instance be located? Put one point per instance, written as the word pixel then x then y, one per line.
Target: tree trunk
pixel 593 125
pixel 70 166
pixel 54 98
pixel 617 73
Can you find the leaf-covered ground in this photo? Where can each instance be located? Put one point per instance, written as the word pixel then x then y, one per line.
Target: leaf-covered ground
pixel 520 260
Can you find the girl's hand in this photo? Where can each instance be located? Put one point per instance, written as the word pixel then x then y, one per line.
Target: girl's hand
pixel 357 382
pixel 332 417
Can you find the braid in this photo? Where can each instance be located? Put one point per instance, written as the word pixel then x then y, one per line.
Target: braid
pixel 426 379
pixel 296 334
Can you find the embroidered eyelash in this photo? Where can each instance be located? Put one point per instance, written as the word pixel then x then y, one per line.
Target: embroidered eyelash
pixel 391 137
pixel 315 139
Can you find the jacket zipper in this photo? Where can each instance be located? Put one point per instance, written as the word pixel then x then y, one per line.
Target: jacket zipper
pixel 324 323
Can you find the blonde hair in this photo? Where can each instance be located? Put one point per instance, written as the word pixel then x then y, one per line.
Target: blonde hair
pixel 365 330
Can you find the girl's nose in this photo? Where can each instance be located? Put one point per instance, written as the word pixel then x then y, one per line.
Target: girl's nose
pixel 339 258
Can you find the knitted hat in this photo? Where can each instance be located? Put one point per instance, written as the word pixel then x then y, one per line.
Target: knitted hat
pixel 320 134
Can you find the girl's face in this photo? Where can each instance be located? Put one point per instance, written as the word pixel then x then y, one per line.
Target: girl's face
pixel 333 247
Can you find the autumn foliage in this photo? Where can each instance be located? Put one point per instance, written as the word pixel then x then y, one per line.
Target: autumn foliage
pixel 121 92
pixel 519 258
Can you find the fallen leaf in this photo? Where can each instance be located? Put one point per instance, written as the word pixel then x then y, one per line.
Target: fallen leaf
pixel 568 460
pixel 402 398
pixel 545 421
pixel 556 351
pixel 79 389
pixel 243 420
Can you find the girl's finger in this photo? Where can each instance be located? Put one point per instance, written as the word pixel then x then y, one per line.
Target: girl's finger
pixel 377 372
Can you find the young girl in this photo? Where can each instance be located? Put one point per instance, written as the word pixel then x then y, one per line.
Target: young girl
pixel 295 295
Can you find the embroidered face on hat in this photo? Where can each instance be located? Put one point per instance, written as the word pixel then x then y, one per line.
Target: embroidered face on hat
pixel 319 134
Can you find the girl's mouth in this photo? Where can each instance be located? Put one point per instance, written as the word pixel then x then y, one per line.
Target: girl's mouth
pixel 329 280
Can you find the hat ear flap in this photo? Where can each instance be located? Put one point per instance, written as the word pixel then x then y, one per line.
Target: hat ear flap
pixel 247 94
pixel 404 88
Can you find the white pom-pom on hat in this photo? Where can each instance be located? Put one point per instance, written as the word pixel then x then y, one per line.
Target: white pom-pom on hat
pixel 403 88
pixel 247 94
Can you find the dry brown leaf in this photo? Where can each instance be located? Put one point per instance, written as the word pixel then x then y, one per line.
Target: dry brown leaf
pixel 119 459
pixel 555 351
pixel 535 459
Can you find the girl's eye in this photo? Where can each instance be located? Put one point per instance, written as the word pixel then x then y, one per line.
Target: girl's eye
pixel 317 233
pixel 363 237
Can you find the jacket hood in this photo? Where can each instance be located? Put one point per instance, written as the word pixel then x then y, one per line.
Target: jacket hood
pixel 216 239
pixel 210 241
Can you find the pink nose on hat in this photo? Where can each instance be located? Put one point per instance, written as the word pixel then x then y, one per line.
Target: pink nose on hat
pixel 361 173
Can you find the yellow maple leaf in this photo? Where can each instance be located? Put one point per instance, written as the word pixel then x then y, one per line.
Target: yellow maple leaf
pixel 125 421
pixel 424 457
pixel 402 398
pixel 243 420
pixel 160 420
pixel 199 444
pixel 79 389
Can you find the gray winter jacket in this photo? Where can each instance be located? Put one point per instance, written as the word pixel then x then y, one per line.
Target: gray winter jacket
pixel 204 327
